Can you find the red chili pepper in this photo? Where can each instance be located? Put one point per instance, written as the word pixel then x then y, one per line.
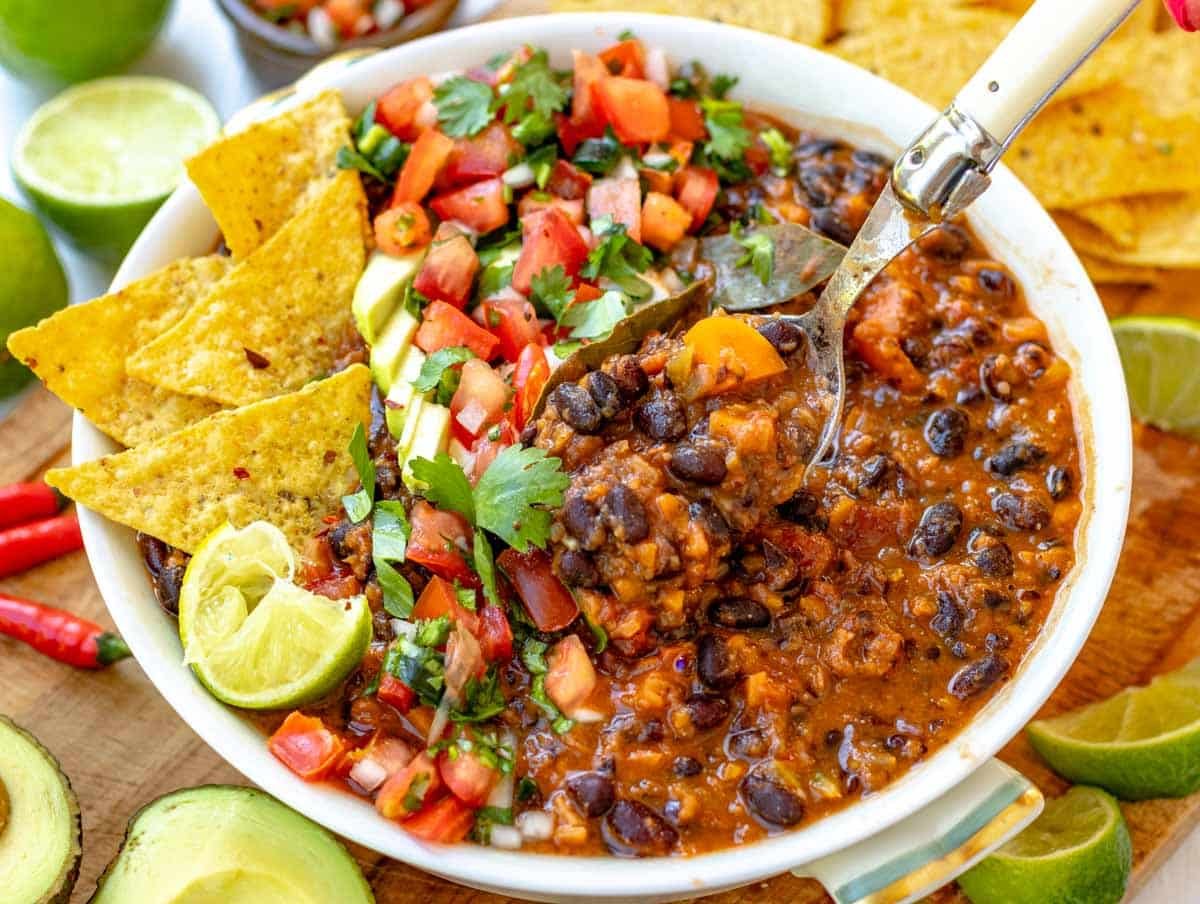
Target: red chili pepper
pixel 22 502
pixel 31 544
pixel 60 635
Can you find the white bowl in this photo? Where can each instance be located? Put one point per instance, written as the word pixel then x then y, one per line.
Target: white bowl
pixel 806 87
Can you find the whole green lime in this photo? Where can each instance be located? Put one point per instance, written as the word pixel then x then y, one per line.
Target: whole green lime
pixel 73 40
pixel 32 285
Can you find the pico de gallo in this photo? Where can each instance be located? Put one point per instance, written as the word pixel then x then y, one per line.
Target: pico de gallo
pixel 330 22
pixel 610 612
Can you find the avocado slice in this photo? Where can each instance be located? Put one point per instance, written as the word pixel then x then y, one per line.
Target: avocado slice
pixel 39 822
pixel 399 399
pixel 380 288
pixel 220 843
pixel 388 352
pixel 431 435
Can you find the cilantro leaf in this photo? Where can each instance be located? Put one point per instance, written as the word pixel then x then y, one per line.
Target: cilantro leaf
pixel 596 319
pixel 760 252
pixel 446 486
pixel 490 249
pixel 494 279
pixel 349 158
pixel 551 289
pixel 780 148
pixel 485 567
pixel 398 598
pixel 416 661
pixel 542 162
pixel 358 505
pixel 488 817
pixel 437 363
pixel 728 136
pixel 722 84
pixel 465 596
pixel 482 699
pixel 464 106
pixel 518 480
pixel 598 156
pixel 534 88
pixel 618 258
pixel 389 543
pixel 533 128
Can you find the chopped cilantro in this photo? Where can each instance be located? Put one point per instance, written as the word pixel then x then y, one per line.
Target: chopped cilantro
pixel 398 598
pixel 446 486
pixel 417 662
pixel 512 493
pixel 683 87
pixel 438 363
pixel 721 85
pixel 533 128
pixel 598 156
pixel 534 89
pixel 541 162
pixel 526 789
pixel 760 252
pixel 533 655
pixel 551 290
pixel 390 531
pixel 600 635
pixel 485 567
pixel 494 279
pixel 619 258
pixel 358 505
pixel 780 148
pixel 596 319
pixel 349 158
pixel 482 699
pixel 728 136
pixel 564 350
pixel 486 818
pixel 464 106
pixel 627 35
pixel 497 243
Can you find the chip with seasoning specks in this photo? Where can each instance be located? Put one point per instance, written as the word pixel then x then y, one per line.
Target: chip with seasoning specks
pixel 129 410
pixel 806 21
pixel 254 181
pixel 282 460
pixel 278 319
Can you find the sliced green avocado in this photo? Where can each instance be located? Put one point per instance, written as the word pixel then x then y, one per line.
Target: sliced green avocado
pixel 399 399
pixel 39 822
pixel 431 435
pixel 388 352
pixel 380 288
pixel 220 844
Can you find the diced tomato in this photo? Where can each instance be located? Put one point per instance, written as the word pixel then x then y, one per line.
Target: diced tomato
pixel 482 156
pixel 437 599
pixel 464 658
pixel 636 109
pixel 758 158
pixel 495 634
pixel 548 239
pixel 480 206
pixel 586 119
pixel 348 16
pixel 293 6
pixel 402 228
pixel 626 58
pixel 529 378
pixel 571 677
pixel 467 776
pixel 444 326
pixel 408 790
pixel 397 109
pixel 448 271
pixel 568 181
pixel 587 292
pixel 395 692
pixel 680 152
pixel 437 541
pixel 687 123
pixel 547 601
pixel 620 199
pixel 479 401
pixel 536 201
pixel 389 752
pixel 316 560
pixel 656 180
pixel 696 189
pixel 571 135
pixel 485 449
pixel 448 821
pixel 664 221
pixel 428 155
pixel 513 321
pixel 339 584
pixel 306 746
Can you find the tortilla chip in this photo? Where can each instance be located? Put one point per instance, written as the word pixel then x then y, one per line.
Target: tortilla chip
pixel 1166 72
pixel 80 351
pixel 255 181
pixel 277 320
pixel 283 460
pixel 1141 21
pixel 806 21
pixel 1113 218
pixel 1106 145
pixel 1166 233
pixel 1108 273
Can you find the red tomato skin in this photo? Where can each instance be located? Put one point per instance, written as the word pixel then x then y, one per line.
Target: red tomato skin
pixel 438 599
pixel 549 239
pixel 485 449
pixel 480 206
pixel 395 692
pixel 586 118
pixel 696 189
pixel 448 271
pixel 397 108
pixel 687 122
pixel 495 634
pixel 401 228
pixel 625 58
pixel 445 325
pixel 513 321
pixel 572 134
pixel 620 199
pixel 636 109
pixel 306 746
pixel 391 800
pixel 547 601
pixel 529 377
pixel 432 532
pixel 568 181
pixel 467 777
pixel 483 395
pixel 426 159
pixel 482 156
pixel 535 202
pixel 448 821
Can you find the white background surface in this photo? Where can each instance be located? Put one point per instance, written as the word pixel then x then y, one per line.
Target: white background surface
pixel 197 47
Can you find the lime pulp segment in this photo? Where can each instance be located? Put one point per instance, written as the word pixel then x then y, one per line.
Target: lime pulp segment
pixel 1159 356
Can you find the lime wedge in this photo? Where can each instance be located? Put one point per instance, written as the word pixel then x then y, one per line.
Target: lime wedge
pixel 1144 742
pixel 253 638
pixel 1077 852
pixel 1159 356
pixel 101 157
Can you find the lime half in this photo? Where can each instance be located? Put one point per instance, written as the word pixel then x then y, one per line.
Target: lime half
pixel 1159 356
pixel 1144 742
pixel 101 157
pixel 1077 852
pixel 255 639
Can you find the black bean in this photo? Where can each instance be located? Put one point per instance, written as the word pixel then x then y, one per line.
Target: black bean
pixel 822 182
pixel 686 767
pixel 873 471
pixel 779 569
pixel 582 521
pixel 996 282
pixel 575 406
pixel 1013 457
pixel 937 532
pixel 651 733
pixel 994 560
pixel 706 711
pixel 739 613
pixel 946 432
pixel 1020 512
pixel 948 623
pixel 605 393
pixel 626 514
pixel 977 676
pixel 768 799
pixel 869 159
pixel 662 417
pixel 948 243
pixel 714 664
pixel 699 460
pixel 802 509
pixel 751 743
pixel 829 222
pixel 915 349
pixel 631 829
pixel 994 599
pixel 784 335
pixel 594 792
pixel 993 381
pixel 529 434
pixel 577 569
pixel 817 147
pixel 631 380
pixel 1032 358
pixel 704 513
pixel 1059 482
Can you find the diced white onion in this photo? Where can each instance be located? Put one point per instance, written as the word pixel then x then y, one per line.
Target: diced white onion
pixel 441 719
pixel 402 628
pixel 586 235
pixel 671 281
pixel 656 158
pixel 507 838
pixel 388 12
pixel 657 70
pixel 368 774
pixel 624 169
pixel 502 795
pixel 508 293
pixel 519 176
pixel 471 235
pixel 472 417
pixel 462 455
pixel 364 24
pixel 586 716
pixel 427 116
pixel 536 825
pixel 321 28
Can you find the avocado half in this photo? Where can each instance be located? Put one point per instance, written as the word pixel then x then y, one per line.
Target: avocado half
pixel 221 844
pixel 39 822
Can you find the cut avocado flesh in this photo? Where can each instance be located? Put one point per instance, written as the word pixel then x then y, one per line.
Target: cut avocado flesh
pixel 388 352
pixel 39 822
pixel 400 398
pixel 431 435
pixel 226 845
pixel 380 289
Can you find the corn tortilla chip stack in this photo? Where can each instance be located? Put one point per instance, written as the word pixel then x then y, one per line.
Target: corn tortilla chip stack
pixel 806 21
pixel 277 320
pixel 284 460
pixel 255 181
pixel 94 379
pixel 1166 233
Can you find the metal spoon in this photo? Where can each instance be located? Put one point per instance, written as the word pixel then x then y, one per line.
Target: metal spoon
pixel 947 166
